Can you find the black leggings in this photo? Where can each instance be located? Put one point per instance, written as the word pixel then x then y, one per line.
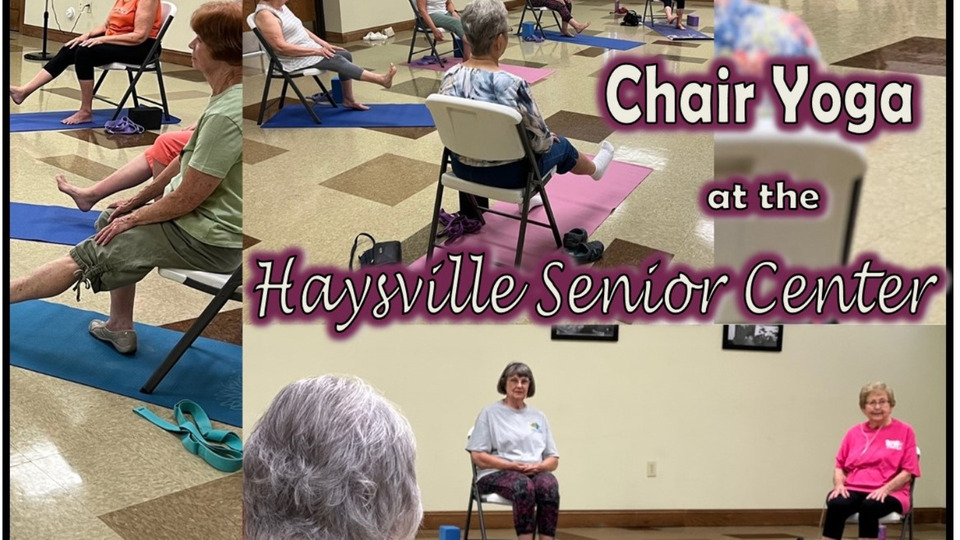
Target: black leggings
pixel 840 508
pixel 85 58
pixel 680 3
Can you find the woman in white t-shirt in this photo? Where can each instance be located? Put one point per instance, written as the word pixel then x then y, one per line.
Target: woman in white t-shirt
pixel 513 449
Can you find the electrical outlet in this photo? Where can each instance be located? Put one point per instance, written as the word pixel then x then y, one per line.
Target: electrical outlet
pixel 651 469
pixel 71 13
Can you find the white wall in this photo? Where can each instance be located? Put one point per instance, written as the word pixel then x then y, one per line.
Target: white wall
pixel 728 429
pixel 349 15
pixel 177 38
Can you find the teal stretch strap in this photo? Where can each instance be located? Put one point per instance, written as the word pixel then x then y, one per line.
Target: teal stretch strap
pixel 220 448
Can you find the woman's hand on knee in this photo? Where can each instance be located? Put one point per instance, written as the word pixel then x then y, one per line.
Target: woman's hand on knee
pixel 840 491
pixel 879 495
pixel 77 40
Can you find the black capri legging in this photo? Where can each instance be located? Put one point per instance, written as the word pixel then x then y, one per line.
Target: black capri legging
pixel 86 58
pixel 840 508
pixel 680 3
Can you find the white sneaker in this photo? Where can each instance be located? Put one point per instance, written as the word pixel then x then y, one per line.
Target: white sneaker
pixel 368 37
pixel 377 36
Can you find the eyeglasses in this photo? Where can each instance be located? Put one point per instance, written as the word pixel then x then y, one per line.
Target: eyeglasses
pixel 878 403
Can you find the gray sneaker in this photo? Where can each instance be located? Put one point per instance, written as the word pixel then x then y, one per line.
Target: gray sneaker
pixel 124 341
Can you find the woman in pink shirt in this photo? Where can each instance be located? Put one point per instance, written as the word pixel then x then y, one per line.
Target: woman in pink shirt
pixel 875 464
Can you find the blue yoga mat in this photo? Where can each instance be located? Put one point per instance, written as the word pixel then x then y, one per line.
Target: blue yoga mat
pixel 51 224
pixel 592 41
pixel 670 31
pixel 382 115
pixel 52 339
pixel 50 121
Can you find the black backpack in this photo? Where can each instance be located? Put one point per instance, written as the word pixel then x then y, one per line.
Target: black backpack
pixel 630 18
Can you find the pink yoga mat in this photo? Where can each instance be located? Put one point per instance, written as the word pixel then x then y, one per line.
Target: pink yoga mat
pixel 577 201
pixel 529 74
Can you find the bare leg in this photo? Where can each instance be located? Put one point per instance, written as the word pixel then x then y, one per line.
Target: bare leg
pixel 584 165
pixel 349 101
pixel 121 308
pixel 680 25
pixel 525 537
pixel 20 93
pixel 384 80
pixel 577 26
pixel 45 281
pixel 135 172
pixel 85 114
pixel 670 16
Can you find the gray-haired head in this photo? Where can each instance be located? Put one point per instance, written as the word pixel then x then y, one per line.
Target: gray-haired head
pixel 330 459
pixel 873 388
pixel 520 369
pixel 483 21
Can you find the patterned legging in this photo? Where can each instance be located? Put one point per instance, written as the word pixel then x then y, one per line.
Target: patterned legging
pixel 534 498
pixel 563 8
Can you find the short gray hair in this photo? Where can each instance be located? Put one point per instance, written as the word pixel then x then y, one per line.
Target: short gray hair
pixel 519 369
pixel 874 387
pixel 483 21
pixel 330 459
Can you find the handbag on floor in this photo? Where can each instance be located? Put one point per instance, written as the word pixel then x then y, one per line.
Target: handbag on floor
pixel 380 254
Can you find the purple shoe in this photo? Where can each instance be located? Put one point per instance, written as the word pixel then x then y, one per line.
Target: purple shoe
pixel 122 126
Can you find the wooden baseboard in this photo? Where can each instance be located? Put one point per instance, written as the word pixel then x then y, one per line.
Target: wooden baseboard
pixel 354 35
pixel 55 38
pixel 499 519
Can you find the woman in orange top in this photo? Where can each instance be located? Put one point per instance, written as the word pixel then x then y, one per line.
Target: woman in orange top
pixel 127 36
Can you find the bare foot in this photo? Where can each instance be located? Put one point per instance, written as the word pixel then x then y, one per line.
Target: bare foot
pixel 84 202
pixel 388 78
pixel 671 18
pixel 680 26
pixel 79 117
pixel 17 95
pixel 582 27
pixel 355 105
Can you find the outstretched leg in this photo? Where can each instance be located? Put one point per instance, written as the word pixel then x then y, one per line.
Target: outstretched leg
pixel 45 281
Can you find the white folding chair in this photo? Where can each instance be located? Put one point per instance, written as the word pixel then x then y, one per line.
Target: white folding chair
pixel 490 132
pixel 223 287
pixel 134 71
pixel 537 13
pixel 807 154
pixel 893 518
pixel 476 497
pixel 275 70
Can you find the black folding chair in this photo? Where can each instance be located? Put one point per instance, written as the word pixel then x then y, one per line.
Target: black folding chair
pixel 421 27
pixel 537 15
pixel 275 70
pixel 150 64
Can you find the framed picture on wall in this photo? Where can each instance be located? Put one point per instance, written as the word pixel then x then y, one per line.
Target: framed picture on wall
pixel 589 332
pixel 753 337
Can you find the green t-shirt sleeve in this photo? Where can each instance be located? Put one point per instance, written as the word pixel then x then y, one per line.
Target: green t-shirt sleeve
pixel 219 143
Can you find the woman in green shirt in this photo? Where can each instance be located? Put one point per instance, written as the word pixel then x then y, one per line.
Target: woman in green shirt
pixel 197 221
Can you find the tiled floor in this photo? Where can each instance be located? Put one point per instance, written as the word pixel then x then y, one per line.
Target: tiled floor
pixel 382 181
pixel 82 465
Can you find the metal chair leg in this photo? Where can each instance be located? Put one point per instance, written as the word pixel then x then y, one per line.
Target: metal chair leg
pixel 195 330
pixel 163 93
pixel 263 100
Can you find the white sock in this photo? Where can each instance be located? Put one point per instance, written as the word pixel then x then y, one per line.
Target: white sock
pixel 535 201
pixel 602 160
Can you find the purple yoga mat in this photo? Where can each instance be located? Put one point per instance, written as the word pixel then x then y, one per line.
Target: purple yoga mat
pixel 577 201
pixel 529 74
